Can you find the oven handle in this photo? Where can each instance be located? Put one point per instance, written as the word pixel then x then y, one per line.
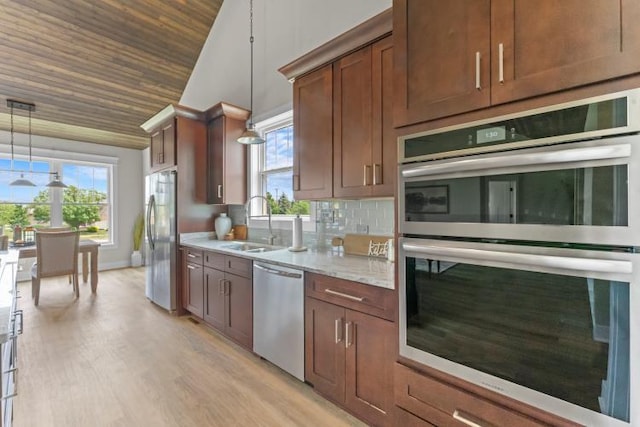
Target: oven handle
pixel 551 261
pixel 538 159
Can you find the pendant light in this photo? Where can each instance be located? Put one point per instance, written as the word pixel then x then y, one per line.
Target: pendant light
pixel 56 183
pixel 22 181
pixel 250 136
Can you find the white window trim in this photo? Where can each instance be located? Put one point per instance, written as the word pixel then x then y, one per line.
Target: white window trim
pixel 256 153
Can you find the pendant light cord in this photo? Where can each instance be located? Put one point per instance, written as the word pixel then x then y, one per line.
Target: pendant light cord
pixel 30 165
pixel 251 45
pixel 12 137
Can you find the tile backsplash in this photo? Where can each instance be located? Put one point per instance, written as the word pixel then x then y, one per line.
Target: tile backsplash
pixel 332 218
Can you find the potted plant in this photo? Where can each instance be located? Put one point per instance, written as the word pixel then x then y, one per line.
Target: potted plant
pixel 138 230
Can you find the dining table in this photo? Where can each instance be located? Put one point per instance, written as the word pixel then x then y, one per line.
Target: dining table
pixel 88 249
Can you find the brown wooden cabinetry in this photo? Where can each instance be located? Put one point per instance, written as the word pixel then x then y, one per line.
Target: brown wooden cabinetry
pixel 473 54
pixel 194 282
pixel 312 140
pixel 163 146
pixel 349 351
pixel 226 158
pixel 364 145
pixel 443 404
pixel 228 296
pixel 344 138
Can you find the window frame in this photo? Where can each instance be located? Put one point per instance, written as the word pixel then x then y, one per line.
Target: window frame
pixel 56 159
pixel 255 181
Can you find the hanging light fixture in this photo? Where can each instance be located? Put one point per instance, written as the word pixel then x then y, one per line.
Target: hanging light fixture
pixel 250 136
pixel 22 181
pixel 56 183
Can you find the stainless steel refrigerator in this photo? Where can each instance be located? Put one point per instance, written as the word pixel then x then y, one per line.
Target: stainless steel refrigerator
pixel 161 239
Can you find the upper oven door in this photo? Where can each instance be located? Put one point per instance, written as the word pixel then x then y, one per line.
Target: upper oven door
pixel 583 192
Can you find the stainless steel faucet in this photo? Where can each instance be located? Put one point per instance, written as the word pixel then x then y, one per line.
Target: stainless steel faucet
pixel 247 208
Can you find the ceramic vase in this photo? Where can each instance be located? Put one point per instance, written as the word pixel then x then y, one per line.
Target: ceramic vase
pixel 136 259
pixel 222 225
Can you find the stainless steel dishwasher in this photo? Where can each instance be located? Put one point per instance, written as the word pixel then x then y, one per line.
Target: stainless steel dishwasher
pixel 278 316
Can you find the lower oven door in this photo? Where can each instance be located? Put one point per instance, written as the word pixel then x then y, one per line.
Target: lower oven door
pixel 552 327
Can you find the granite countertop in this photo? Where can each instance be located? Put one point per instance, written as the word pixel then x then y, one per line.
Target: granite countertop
pixel 367 270
pixel 8 269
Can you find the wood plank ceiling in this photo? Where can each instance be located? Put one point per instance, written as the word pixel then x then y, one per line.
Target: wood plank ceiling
pixel 96 70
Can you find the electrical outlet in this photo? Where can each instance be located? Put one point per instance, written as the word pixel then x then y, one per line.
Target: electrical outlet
pixel 362 229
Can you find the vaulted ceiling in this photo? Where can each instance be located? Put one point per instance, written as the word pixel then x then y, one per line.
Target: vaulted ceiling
pixel 96 70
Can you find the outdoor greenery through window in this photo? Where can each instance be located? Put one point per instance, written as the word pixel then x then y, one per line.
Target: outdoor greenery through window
pixel 85 204
pixel 276 169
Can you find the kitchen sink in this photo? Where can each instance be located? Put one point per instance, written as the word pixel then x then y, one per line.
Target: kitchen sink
pixel 250 247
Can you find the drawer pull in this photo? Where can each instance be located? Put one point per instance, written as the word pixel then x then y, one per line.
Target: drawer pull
pixel 340 294
pixel 192 256
pixel 347 338
pixel 464 419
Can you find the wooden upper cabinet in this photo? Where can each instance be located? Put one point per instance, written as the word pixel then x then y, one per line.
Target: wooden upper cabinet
pixel 441 58
pixel 312 141
pixel 549 46
pixel 163 146
pixel 226 157
pixel 473 54
pixel 364 142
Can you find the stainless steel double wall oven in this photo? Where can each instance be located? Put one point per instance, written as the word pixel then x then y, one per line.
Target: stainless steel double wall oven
pixel 519 266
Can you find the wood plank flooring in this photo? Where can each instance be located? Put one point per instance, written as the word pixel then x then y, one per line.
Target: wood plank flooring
pixel 115 359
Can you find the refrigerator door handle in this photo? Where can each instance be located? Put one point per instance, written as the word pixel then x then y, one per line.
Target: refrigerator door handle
pixel 150 208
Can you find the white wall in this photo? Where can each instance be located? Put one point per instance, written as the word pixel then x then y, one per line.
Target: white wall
pixel 128 182
pixel 284 30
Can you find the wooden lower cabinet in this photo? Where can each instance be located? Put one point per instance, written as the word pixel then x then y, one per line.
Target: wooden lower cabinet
pixel 228 297
pixel 435 402
pixel 193 282
pixel 349 358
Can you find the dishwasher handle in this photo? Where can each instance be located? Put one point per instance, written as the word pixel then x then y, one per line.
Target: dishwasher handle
pixel 278 272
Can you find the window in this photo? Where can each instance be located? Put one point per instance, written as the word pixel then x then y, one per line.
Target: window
pixel 272 168
pixel 84 205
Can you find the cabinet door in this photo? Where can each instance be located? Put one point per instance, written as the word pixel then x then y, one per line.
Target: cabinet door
pixel 214 298
pixel 370 355
pixel 384 145
pixel 324 348
pixel 195 282
pixel 352 125
pixel 550 45
pixel 441 58
pixel 169 144
pixel 215 161
pixel 313 135
pixel 156 149
pixel 239 315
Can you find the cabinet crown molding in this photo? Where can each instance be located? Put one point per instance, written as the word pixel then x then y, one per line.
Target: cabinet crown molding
pixel 227 110
pixel 169 112
pixel 362 34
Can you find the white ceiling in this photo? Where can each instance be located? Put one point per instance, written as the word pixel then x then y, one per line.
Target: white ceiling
pixel 283 31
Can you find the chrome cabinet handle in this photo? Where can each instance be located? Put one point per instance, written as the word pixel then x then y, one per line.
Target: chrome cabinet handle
pixel 377 176
pixel 296 182
pixel 219 191
pixel 340 294
pixel 478 87
pixel 190 255
pixel 227 286
pixel 347 339
pixel 220 287
pixel 501 63
pixel 338 330
pixel 278 272
pixel 364 175
pixel 458 415
pixel 192 267
pixel 20 314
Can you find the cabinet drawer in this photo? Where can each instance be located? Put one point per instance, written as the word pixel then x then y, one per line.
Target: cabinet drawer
pixel 368 299
pixel 194 256
pixel 240 266
pixel 446 405
pixel 214 260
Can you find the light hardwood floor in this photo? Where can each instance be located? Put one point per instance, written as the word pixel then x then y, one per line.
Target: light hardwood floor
pixel 115 359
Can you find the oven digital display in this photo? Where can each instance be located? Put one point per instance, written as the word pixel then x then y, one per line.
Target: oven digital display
pixel 496 133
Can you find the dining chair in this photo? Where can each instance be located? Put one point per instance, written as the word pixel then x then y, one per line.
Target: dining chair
pixel 56 255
